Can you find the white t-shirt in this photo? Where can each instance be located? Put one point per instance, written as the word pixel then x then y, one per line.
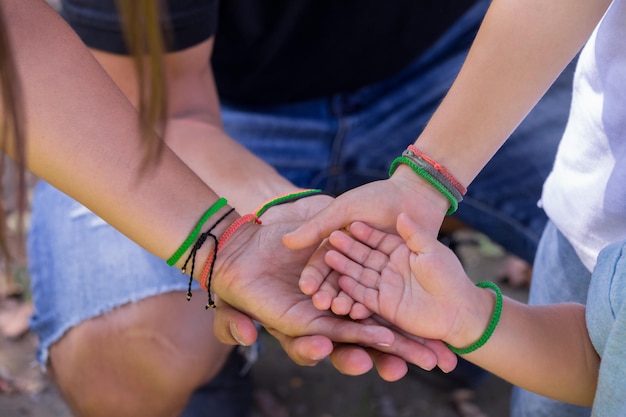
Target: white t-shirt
pixel 585 194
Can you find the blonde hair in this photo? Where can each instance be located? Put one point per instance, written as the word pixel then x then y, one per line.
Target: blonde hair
pixel 11 137
pixel 141 21
pixel 142 28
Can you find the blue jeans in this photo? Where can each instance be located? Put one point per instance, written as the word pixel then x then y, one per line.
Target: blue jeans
pixel 558 276
pixel 606 321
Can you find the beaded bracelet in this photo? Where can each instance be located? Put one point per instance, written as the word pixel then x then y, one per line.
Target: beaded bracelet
pixel 454 204
pixel 207 270
pixel 422 163
pixel 196 231
pixel 495 318
pixel 288 198
pixel 438 167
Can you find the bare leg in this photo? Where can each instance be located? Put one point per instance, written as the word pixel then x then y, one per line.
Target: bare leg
pixel 142 359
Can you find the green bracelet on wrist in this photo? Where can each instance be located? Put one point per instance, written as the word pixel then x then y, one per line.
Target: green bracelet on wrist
pixel 196 231
pixel 287 198
pixel 495 318
pixel 454 204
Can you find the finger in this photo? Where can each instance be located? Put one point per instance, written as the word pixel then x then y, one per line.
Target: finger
pixel 316 271
pixel 233 327
pixel 446 359
pixel 359 311
pixel 380 240
pixel 351 360
pixel 341 263
pixel 390 368
pixel 418 241
pixel 317 228
pixel 343 330
pixel 323 298
pixel 342 304
pixel 359 292
pixel 367 277
pixel 304 350
pixel 412 349
pixel 359 251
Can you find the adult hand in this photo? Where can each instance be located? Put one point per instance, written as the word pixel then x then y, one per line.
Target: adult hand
pixel 378 204
pixel 255 267
pixel 234 327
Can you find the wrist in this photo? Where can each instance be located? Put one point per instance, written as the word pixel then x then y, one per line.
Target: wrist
pixel 211 269
pixel 294 199
pixel 463 163
pixel 203 245
pixel 478 315
pixel 405 176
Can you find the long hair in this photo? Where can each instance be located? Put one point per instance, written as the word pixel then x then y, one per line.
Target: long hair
pixel 12 136
pixel 142 20
pixel 142 28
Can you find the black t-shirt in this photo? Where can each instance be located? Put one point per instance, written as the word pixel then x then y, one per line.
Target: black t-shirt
pixel 277 51
pixel 286 50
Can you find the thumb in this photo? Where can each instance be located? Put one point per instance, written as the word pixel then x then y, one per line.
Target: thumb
pixel 314 230
pixel 418 240
pixel 233 327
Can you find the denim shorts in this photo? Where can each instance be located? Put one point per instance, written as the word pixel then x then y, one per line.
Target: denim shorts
pixel 606 321
pixel 558 276
pixel 80 267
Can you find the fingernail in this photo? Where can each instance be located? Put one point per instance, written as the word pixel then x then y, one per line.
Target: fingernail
pixel 383 344
pixel 234 332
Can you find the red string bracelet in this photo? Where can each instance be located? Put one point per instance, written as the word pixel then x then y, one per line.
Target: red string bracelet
pixel 439 168
pixel 203 237
pixel 207 269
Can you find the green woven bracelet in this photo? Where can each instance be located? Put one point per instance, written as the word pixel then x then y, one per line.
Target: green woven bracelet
pixel 454 204
pixel 196 230
pixel 495 318
pixel 288 198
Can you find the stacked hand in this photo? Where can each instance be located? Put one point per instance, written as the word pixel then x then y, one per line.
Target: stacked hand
pixel 413 281
pixel 377 204
pixel 257 276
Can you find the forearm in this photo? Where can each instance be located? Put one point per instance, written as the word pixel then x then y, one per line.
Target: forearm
pixel 230 169
pixel 521 47
pixel 83 136
pixel 544 349
pixel 194 127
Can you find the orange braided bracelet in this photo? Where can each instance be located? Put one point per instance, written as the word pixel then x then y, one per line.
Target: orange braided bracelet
pixel 207 269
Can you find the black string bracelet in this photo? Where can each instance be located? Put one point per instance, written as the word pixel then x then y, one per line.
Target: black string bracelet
pixel 210 303
pixel 197 245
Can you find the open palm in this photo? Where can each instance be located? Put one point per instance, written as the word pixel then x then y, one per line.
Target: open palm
pixel 418 289
pixel 256 274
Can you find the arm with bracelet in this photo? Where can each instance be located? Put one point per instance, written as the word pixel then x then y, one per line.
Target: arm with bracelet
pixel 419 285
pixel 519 50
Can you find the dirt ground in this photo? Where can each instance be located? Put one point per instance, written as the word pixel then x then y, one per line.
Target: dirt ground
pixel 283 389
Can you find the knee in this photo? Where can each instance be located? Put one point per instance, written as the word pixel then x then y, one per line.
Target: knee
pixel 133 364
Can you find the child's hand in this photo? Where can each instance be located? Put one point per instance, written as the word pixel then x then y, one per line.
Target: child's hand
pixel 419 286
pixel 325 289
